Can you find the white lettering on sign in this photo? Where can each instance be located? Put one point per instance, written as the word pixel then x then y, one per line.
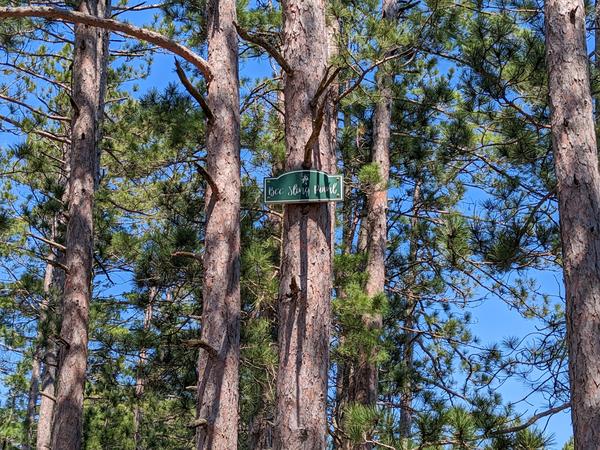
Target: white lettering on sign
pixel 325 189
pixel 273 191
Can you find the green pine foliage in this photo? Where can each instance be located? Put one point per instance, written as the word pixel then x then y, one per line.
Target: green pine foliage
pixel 472 217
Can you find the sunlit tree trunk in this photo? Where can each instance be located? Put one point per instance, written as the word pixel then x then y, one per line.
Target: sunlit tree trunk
pixel 88 86
pixel 578 187
pixel 218 363
pixel 306 274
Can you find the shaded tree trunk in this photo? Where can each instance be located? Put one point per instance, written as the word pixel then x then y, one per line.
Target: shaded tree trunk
pixel 410 319
pixel 54 280
pixel 45 352
pixel 578 187
pixel 89 84
pixel 50 357
pixel 363 381
pixel 34 383
pixel 306 274
pixel 218 362
pixel 140 378
pixel 597 54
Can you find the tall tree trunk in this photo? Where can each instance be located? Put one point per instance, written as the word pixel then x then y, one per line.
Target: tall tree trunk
pixel 45 352
pixel 218 362
pixel 597 54
pixel 33 388
pixel 88 86
pixel 306 273
pixel 578 187
pixel 406 396
pixel 54 280
pixel 140 378
pixel 50 357
pixel 364 377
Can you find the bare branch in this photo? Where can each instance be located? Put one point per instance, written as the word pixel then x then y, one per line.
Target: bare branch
pixel 318 104
pixel 209 179
pixel 41 133
pixel 142 34
pixel 56 245
pixel 203 345
pixel 533 419
pixel 264 44
pixel 198 423
pixel 34 110
pixel 195 256
pixel 193 91
pixel 410 53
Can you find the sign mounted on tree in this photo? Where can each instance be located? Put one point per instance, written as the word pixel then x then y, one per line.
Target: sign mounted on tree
pixel 303 186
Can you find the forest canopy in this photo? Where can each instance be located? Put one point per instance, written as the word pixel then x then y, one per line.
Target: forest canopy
pixel 151 299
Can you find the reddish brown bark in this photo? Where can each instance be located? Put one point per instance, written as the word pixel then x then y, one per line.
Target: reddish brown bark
pixel 578 187
pixel 363 376
pixel 55 280
pixel 305 283
pixel 89 78
pixel 218 369
pixel 45 353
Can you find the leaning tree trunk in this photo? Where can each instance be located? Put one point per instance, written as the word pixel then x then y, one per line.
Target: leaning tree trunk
pixel 88 86
pixel 306 274
pixel 578 187
pixel 218 362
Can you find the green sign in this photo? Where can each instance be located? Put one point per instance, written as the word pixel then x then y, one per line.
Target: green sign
pixel 303 186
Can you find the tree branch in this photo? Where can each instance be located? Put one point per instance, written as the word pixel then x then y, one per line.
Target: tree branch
pixel 209 179
pixel 318 103
pixel 198 423
pixel 196 256
pixel 34 110
pixel 213 353
pixel 533 419
pixel 193 91
pixel 56 245
pixel 41 133
pixel 264 44
pixel 142 34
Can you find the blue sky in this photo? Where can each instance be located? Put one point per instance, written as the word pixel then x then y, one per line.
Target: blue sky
pixel 493 319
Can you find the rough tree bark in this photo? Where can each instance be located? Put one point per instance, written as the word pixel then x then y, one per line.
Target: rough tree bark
pixel 89 83
pixel 55 277
pixel 578 187
pixel 306 274
pixel 45 356
pixel 50 317
pixel 597 54
pixel 363 381
pixel 218 362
